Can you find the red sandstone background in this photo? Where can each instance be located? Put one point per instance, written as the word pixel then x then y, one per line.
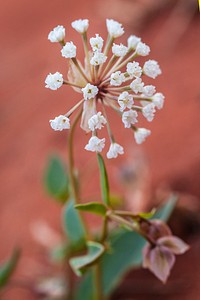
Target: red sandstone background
pixel 172 29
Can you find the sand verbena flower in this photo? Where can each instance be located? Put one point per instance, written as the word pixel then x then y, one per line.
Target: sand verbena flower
pixel 109 77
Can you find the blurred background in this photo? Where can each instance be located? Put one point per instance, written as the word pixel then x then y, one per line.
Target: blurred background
pixel 168 161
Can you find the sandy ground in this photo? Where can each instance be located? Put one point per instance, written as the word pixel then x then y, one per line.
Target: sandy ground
pixel 173 150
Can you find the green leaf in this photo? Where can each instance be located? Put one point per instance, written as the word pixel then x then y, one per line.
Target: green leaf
pixel 59 253
pixel 7 269
pixel 103 180
pixel 126 253
pixel 73 225
pixel 85 287
pixel 56 179
pixel 147 215
pixel 116 201
pixel 127 250
pixel 166 209
pixel 93 207
pixel 80 263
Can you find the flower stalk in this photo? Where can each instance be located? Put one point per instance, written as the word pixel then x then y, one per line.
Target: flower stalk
pixel 72 178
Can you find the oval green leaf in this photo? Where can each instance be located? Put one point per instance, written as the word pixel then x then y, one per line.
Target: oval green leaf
pixel 56 179
pixel 73 225
pixel 103 180
pixel 80 263
pixel 93 207
pixel 7 269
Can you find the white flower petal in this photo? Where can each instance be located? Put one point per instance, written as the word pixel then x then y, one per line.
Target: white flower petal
pixel 134 69
pixel 141 134
pixel 95 144
pixel 57 34
pixel 96 121
pixel 125 100
pixel 54 81
pixel 114 28
pixel 149 90
pixel 114 150
pixel 129 118
pixel 152 69
pixel 137 85
pixel 119 50
pixel 158 100
pixel 133 40
pixel 98 59
pixel 96 43
pixel 80 25
pixel 90 91
pixel 69 50
pixel 149 112
pixel 142 49
pixel 59 123
pixel 117 78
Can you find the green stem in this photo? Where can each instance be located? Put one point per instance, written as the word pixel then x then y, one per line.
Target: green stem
pixel 72 178
pixel 104 230
pixel 123 221
pixel 135 226
pixel 98 282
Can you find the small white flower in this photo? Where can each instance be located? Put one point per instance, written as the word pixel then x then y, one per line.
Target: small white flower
pixel 125 100
pixel 117 78
pixel 97 121
pixel 80 25
pixel 90 91
pixel 69 50
pixel 119 50
pixel 54 81
pixel 149 90
pixel 134 69
pixel 133 40
pixel 152 69
pixel 142 49
pixel 141 134
pixel 95 144
pixel 114 28
pixel 59 123
pixel 148 111
pixel 158 100
pixel 98 59
pixel 96 43
pixel 57 34
pixel 114 150
pixel 137 85
pixel 129 117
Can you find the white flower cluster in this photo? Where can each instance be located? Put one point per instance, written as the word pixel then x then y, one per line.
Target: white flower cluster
pixel 125 92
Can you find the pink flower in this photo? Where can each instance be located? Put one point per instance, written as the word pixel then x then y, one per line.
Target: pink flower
pixel 159 258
